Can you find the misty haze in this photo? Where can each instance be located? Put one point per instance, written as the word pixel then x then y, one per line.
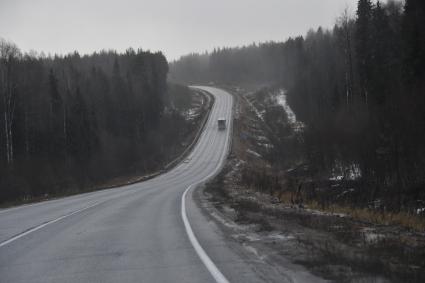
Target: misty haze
pixel 212 141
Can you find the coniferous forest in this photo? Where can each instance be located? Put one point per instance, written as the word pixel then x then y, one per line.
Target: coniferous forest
pixel 359 88
pixel 69 123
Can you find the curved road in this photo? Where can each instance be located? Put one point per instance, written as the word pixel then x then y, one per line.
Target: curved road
pixel 134 233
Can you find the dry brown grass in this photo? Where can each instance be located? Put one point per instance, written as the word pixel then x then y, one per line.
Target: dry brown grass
pixel 403 219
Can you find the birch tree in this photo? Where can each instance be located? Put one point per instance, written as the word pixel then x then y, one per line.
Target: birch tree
pixel 8 54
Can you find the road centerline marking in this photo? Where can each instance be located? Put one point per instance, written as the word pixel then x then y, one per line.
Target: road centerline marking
pixel 206 260
pixel 38 227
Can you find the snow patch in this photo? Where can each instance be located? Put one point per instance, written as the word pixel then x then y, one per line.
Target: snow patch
pixel 192 114
pixel 255 252
pixel 250 237
pixel 370 236
pixel 281 237
pixel 321 213
pixel 257 113
pixel 256 154
pixel 265 145
pixel 262 138
pixel 281 99
pixel 348 172
pixel 230 224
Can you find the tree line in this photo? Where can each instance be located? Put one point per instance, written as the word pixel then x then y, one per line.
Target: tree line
pixel 359 88
pixel 71 122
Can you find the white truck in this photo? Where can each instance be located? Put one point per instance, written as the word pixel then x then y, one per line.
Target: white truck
pixel 221 123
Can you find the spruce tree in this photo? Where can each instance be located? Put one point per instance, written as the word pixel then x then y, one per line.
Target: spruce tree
pixel 363 45
pixel 414 40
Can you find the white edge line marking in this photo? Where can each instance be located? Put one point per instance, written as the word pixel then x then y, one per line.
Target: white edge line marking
pixel 209 264
pixel 23 234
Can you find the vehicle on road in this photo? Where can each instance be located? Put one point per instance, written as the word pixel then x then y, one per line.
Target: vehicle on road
pixel 221 123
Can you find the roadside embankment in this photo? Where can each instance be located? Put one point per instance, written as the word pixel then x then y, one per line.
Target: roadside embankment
pixel 259 202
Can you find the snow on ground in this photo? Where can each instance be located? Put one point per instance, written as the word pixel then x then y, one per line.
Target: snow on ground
pixel 280 236
pixel 265 145
pixel 370 235
pixel 322 213
pixel 191 114
pixel 348 172
pixel 261 138
pixel 281 100
pixel 259 114
pixel 256 154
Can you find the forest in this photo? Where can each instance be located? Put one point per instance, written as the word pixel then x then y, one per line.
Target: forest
pixel 359 89
pixel 71 123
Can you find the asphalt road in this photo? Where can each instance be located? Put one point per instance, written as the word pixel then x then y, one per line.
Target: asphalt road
pixel 145 232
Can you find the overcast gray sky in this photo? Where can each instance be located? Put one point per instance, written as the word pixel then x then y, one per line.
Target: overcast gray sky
pixel 175 27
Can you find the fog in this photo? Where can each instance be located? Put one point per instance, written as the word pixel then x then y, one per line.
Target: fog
pixel 175 27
